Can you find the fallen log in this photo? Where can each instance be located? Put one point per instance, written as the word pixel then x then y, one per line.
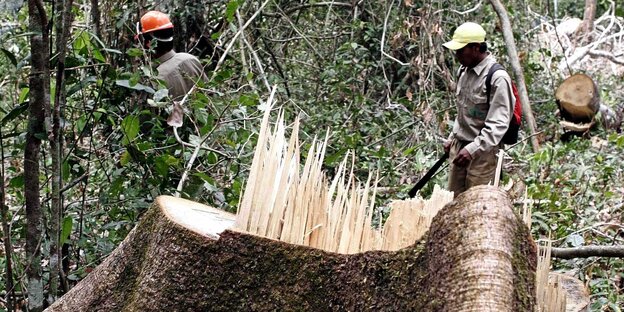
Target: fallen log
pixel 588 251
pixel 183 256
pixel 578 98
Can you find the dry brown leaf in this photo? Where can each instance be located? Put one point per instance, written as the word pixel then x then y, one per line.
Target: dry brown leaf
pixel 428 114
pixel 176 116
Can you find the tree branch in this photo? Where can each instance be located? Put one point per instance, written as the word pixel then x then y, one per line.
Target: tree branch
pixel 588 251
pixel 309 5
pixel 517 69
pixel 608 55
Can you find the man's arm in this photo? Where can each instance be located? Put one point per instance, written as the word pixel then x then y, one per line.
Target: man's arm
pixel 498 116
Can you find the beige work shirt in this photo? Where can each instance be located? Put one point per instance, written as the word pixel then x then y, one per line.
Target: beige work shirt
pixel 180 71
pixel 482 126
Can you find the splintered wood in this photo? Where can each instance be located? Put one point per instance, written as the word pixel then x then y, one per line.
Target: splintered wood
pixel 304 208
pixel 556 292
pixel 410 219
pixel 301 206
pixel 550 296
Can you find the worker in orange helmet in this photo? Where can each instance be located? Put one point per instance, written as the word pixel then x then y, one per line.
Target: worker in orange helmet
pixel 179 71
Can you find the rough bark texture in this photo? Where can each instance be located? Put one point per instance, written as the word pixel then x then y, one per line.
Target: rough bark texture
pixel 588 251
pixel 62 28
pixel 39 83
pixel 482 255
pixel 164 266
pixel 589 16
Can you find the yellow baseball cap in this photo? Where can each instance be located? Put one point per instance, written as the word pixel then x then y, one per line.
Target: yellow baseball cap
pixel 464 34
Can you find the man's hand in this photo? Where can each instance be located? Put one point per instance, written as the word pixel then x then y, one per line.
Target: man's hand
pixel 447 146
pixel 463 158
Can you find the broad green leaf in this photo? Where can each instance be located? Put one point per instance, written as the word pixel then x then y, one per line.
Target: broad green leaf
pixel 66 230
pixel 130 129
pixel 136 86
pixel 81 85
pixel 15 112
pixel 10 56
pixel 97 116
pixel 134 52
pixel 23 95
pixel 98 56
pixel 65 169
pixel 163 163
pixel 125 158
pixel 212 158
pixel 17 181
pixel 215 36
pixel 230 11
pixel 248 100
pixel 117 186
pixel 161 94
pixel 204 177
pixel 82 42
pixel 81 123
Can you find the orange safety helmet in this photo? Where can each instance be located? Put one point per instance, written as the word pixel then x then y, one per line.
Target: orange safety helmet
pixel 153 21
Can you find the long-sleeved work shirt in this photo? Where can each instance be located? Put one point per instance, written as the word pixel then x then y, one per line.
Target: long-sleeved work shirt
pixel 180 71
pixel 482 125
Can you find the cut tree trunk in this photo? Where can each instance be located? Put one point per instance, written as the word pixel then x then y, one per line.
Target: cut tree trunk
pixel 576 293
pixel 181 257
pixel 589 15
pixel 578 98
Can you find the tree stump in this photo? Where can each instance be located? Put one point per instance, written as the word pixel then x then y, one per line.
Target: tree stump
pixel 578 98
pixel 181 257
pixel 577 294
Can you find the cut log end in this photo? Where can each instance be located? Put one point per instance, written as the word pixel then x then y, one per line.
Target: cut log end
pixel 578 98
pixel 204 220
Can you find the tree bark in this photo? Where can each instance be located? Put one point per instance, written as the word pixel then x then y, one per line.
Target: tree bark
pixel 95 18
pixel 517 69
pixel 62 28
pixel 179 258
pixel 6 233
pixel 589 16
pixel 39 99
pixel 588 251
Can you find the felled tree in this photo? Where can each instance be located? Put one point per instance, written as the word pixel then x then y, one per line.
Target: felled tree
pixel 302 243
pixel 579 103
pixel 477 257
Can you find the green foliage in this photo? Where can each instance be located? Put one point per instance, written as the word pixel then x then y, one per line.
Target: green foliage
pixel 578 189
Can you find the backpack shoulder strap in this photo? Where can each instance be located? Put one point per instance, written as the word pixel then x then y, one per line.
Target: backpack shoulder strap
pixel 488 79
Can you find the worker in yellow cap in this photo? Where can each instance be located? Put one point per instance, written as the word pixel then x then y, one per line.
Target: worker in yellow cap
pixel 481 120
pixel 179 71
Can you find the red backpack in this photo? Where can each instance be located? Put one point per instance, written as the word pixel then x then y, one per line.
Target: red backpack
pixel 511 136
